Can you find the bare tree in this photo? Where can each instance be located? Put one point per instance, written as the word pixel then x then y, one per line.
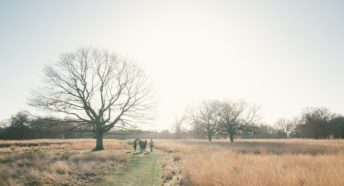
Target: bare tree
pixel 236 117
pixel 205 118
pixel 178 126
pixel 20 119
pixel 97 89
pixel 284 126
pixel 295 127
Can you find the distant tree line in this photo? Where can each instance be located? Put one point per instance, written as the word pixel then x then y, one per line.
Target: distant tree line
pixel 233 119
pixel 317 123
pixel 207 120
pixel 23 125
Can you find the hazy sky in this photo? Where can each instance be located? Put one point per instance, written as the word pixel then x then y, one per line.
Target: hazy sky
pixel 281 55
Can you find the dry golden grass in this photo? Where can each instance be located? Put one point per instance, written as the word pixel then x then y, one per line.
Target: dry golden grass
pixel 57 162
pixel 259 162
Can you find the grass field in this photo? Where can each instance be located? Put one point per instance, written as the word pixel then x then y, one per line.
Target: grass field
pixel 259 162
pixel 176 162
pixel 57 162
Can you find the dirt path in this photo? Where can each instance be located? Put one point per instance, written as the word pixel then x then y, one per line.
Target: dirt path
pixel 141 169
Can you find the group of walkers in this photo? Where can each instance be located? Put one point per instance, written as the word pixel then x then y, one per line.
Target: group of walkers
pixel 143 145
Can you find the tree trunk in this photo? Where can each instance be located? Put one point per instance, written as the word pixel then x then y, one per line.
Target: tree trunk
pixel 209 131
pixel 231 137
pixel 99 141
pixel 209 137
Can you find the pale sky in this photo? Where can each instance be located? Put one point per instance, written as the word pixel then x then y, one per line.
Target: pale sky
pixel 281 55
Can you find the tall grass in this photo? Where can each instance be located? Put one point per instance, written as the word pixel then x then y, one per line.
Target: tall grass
pixel 259 162
pixel 52 162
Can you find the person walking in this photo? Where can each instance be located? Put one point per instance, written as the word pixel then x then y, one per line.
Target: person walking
pixel 135 144
pixel 141 146
pixel 145 145
pixel 151 145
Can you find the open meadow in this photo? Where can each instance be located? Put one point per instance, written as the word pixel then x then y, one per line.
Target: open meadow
pixel 258 162
pixel 173 162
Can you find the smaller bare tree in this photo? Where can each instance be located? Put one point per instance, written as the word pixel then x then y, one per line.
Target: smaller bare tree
pixel 178 126
pixel 284 126
pixel 295 127
pixel 236 117
pixel 205 118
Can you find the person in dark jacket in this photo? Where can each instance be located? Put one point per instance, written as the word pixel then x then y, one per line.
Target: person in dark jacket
pixel 151 145
pixel 145 145
pixel 141 145
pixel 135 144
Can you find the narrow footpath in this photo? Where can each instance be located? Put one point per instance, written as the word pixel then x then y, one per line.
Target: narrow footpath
pixel 141 169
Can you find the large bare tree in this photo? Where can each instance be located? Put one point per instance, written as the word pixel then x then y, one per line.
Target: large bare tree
pixel 236 117
pixel 96 88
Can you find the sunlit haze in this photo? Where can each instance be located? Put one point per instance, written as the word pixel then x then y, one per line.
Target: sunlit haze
pixel 280 55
